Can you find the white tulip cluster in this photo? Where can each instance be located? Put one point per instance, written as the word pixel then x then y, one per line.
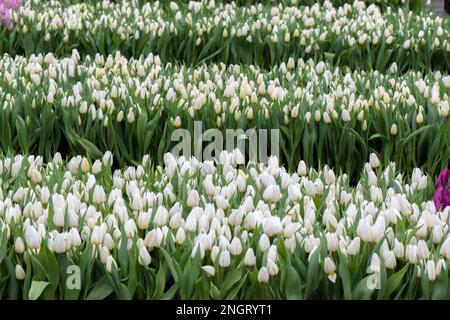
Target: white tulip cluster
pixel 312 27
pixel 115 89
pixel 223 213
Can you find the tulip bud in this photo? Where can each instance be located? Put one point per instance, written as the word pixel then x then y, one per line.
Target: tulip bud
pixel 235 247
pixel 263 275
pixel 85 167
pixel 144 257
pixel 330 269
pixel 373 160
pixel 250 258
pixel 224 259
pixel 301 170
pixel 20 273
pixel 19 245
pixel 209 270
pixel 110 263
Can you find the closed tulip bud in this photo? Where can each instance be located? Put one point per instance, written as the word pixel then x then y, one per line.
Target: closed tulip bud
pixel 272 194
pixel 332 242
pixel 419 118
pixel 264 243
pixel 272 267
pixel 59 243
pixel 273 226
pixel 437 233
pixel 96 167
pixel 263 275
pixel 170 164
pixel 330 269
pixel 399 250
pixel 394 130
pixel 209 270
pixel 130 116
pixel 154 238
pixel 180 236
pixel 97 235
pixel 143 220
pixel 20 273
pixel 104 254
pixel 193 199
pixel 85 167
pixel 45 195
pixel 161 216
pixel 373 160
pixel 58 217
pixel 346 115
pixel 144 257
pixel 175 220
pixel 310 188
pixel 250 258
pixel 224 259
pixel 445 248
pixel 130 228
pixel 294 112
pixel 354 246
pixel 301 170
pixel 110 264
pixel 422 250
pixel 108 241
pixel 236 247
pixel 411 253
pixel 19 245
pixel 389 260
pixel 431 270
pixel 32 238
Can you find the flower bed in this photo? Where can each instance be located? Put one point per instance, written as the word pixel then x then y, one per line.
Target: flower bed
pixel 198 230
pixel 356 36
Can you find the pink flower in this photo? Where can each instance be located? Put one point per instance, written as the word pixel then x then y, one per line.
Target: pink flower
pixel 441 197
pixel 5 11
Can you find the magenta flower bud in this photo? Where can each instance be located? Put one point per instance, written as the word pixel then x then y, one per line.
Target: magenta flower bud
pixel 439 198
pixel 443 178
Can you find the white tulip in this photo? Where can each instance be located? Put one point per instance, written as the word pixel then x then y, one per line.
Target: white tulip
pixel 354 246
pixel 224 259
pixel 170 164
pixel 59 243
pixel 110 263
pixel 445 248
pixel 192 199
pixel 301 170
pixel 273 226
pixel 411 253
pixel 272 194
pixel 144 257
pixel 32 238
pixel 20 273
pixel 236 247
pixel 263 275
pixel 209 270
pixel 431 270
pixel 143 220
pixel 330 269
pixel 161 216
pixel 180 236
pixel 373 160
pixel 19 245
pixel 250 258
pixel 422 250
pixel 130 228
pixel 154 238
pixel 272 267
